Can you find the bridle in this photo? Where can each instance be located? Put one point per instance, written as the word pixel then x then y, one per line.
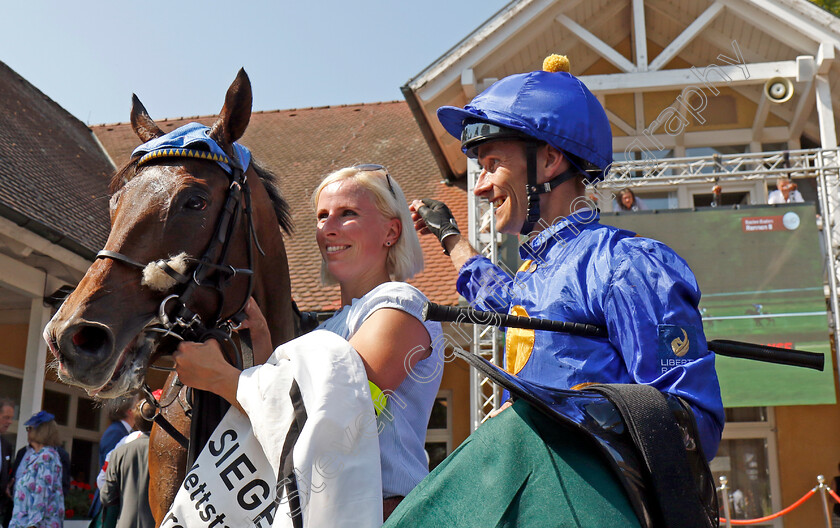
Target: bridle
pixel 212 271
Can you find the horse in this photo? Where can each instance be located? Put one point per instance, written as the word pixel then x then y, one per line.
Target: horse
pixel 758 310
pixel 116 324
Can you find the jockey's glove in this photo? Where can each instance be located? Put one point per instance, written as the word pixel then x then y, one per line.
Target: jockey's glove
pixel 439 220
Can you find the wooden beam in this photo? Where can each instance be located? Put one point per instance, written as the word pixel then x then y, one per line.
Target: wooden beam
pixel 825 111
pixel 804 107
pixel 640 35
pixel 802 41
pixel 639 107
pixel 678 79
pixel 42 245
pixel 825 57
pixel 500 57
pixel 494 35
pixel 686 36
pixel 620 123
pixel 19 277
pixel 600 47
pixel 788 19
pixel 761 114
pixel 703 138
pixel 468 83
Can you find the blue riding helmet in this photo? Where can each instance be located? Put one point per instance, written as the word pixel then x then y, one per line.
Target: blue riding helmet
pixel 555 107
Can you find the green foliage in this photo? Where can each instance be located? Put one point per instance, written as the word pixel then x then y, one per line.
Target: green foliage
pixel 832 6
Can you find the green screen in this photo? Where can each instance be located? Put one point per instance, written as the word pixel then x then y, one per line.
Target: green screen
pixel 760 270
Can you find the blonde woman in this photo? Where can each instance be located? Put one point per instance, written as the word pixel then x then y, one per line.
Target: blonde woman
pixel 368 247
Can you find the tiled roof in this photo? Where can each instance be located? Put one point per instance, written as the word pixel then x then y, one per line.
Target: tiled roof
pixel 301 146
pixel 53 174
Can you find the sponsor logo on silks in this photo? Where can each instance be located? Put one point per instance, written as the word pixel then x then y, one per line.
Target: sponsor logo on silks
pixel 677 345
pixel 681 346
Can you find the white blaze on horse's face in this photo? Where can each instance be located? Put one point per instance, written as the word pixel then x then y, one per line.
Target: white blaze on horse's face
pixel 104 333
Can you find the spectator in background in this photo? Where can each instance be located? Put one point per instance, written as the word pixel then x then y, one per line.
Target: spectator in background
pixel 121 413
pixel 785 192
pixel 627 201
pixel 38 497
pixel 62 455
pixel 125 483
pixel 7 414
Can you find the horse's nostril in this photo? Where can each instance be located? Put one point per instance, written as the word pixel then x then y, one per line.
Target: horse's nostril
pixel 89 339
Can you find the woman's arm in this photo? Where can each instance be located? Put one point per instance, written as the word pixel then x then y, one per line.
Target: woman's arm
pixel 391 342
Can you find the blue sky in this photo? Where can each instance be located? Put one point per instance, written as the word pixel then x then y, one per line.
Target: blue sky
pixel 179 57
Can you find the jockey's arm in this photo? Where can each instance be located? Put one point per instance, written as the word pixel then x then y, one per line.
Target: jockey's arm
pixel 390 342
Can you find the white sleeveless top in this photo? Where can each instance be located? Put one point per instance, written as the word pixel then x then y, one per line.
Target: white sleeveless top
pixel 404 420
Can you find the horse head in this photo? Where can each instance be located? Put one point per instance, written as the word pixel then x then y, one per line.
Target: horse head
pixel 178 245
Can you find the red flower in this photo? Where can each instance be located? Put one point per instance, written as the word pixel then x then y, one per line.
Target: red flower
pixel 68 514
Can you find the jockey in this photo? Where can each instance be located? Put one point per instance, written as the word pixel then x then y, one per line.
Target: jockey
pixel 541 138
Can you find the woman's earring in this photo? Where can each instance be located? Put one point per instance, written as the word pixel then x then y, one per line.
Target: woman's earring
pixel 388 243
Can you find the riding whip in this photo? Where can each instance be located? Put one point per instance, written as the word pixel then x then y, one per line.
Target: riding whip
pixel 723 347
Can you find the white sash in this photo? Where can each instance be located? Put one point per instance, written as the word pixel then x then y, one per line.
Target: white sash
pixel 312 423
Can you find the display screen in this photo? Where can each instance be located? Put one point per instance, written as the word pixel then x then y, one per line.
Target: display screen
pixel 761 272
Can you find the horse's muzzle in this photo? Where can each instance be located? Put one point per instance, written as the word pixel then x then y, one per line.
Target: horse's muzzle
pixel 86 353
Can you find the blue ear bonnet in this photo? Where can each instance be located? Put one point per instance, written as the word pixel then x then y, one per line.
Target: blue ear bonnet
pixel 182 142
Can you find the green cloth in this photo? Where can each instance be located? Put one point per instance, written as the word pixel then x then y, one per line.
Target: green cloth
pixel 519 469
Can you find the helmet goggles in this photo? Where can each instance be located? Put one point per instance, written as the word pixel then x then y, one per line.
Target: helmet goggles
pixel 478 132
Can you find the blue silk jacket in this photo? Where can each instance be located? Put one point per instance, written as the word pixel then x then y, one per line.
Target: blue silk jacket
pixel 646 296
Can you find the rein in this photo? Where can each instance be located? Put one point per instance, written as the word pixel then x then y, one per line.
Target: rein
pixel 211 270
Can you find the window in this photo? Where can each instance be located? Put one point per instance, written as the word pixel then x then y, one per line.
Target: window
pixel 439 434
pixel 80 421
pixel 747 458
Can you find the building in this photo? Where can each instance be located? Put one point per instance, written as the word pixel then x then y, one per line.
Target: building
pixel 53 219
pixel 698 92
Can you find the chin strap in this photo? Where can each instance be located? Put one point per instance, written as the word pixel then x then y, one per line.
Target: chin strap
pixel 534 190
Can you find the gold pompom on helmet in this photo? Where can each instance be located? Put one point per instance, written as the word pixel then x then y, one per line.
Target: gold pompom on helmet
pixel 556 63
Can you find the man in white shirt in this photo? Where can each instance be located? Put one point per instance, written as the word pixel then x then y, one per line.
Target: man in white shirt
pixel 785 192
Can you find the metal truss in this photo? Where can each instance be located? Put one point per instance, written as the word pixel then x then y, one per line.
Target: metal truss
pixel 821 164
pixel 485 396
pixel 720 168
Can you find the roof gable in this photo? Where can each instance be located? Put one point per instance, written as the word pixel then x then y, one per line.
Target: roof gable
pixel 639 47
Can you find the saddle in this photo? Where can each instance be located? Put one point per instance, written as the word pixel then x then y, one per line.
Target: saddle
pixel 648 438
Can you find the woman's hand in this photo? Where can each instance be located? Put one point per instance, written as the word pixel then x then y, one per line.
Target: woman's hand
pixel 202 366
pixel 260 335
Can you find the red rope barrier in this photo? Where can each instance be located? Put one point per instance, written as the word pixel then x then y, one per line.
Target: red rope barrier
pixel 833 495
pixel 779 513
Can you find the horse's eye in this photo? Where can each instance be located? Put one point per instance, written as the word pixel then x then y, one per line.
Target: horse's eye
pixel 196 203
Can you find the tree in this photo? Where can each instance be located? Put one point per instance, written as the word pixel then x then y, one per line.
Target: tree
pixel 832 6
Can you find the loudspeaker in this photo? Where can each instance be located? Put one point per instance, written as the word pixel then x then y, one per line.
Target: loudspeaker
pixel 778 89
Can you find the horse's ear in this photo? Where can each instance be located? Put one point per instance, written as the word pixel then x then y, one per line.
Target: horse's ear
pixel 143 125
pixel 235 115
